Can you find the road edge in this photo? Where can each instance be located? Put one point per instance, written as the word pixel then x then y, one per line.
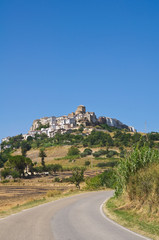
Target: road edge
pixel 103 211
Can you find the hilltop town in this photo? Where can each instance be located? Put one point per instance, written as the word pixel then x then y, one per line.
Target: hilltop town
pixel 52 125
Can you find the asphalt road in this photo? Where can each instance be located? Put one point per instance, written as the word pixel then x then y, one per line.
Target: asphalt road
pixel 75 218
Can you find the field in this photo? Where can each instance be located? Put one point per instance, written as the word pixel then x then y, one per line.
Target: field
pixel 56 155
pixel 13 194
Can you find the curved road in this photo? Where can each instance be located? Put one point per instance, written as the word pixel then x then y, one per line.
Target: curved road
pixel 74 218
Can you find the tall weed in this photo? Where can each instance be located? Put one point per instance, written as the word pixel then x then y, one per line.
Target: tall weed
pixel 137 159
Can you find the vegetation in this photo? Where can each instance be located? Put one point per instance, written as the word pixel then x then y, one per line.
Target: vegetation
pixel 25 146
pixel 42 126
pixel 42 155
pixel 16 165
pixel 86 152
pixel 105 179
pixel 87 163
pixel 137 190
pixel 73 151
pixel 136 160
pixel 77 177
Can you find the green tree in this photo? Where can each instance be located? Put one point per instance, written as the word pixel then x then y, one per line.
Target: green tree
pixel 73 151
pixel 77 177
pixel 5 172
pixel 15 174
pixel 42 155
pixel 25 146
pixel 18 163
pixel 53 167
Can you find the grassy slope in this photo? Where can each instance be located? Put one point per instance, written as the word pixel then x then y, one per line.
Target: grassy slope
pixel 56 152
pixel 23 191
pixel 141 214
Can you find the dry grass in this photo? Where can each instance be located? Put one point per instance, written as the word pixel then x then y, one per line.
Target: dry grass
pixel 13 194
pixel 18 193
pixel 56 154
pixel 117 210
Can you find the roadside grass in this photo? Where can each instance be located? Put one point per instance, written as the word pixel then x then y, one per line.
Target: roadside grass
pixel 132 220
pixel 49 197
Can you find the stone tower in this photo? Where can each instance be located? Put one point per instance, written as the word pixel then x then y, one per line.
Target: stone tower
pixel 80 109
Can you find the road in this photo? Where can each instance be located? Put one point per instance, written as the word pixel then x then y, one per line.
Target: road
pixel 78 217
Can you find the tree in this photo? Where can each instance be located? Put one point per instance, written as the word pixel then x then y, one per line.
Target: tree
pixel 54 167
pixel 25 146
pixel 15 174
pixel 77 177
pixel 5 172
pixel 73 151
pixel 42 154
pixel 18 163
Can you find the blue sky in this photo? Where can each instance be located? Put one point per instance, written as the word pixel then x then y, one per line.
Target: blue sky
pixel 56 55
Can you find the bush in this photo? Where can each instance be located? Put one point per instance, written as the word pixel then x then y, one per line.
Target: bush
pixel 83 155
pixel 73 151
pixel 88 151
pixel 5 172
pixel 99 153
pixel 93 183
pixel 53 168
pixel 87 163
pixel 15 174
pixel 105 179
pixel 108 178
pixel 38 169
pixel 107 164
pixel 111 153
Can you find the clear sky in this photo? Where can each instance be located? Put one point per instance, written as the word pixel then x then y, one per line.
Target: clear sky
pixel 58 54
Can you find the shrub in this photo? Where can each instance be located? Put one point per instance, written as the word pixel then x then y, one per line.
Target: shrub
pixel 15 174
pixel 87 163
pixel 99 153
pixel 101 164
pixel 86 152
pixel 53 168
pixel 107 164
pixel 111 153
pixel 105 179
pixel 108 178
pixel 5 172
pixel 83 154
pixel 73 151
pixel 93 183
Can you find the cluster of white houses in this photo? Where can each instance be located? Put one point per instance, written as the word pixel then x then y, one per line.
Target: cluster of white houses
pixel 52 125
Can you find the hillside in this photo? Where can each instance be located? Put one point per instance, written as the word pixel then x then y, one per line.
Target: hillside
pixel 136 200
